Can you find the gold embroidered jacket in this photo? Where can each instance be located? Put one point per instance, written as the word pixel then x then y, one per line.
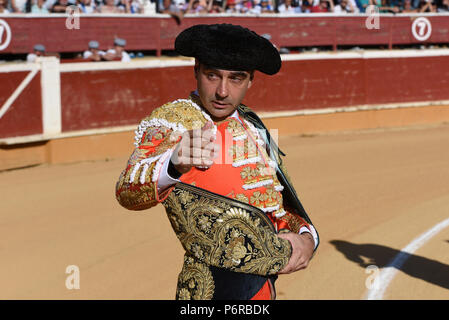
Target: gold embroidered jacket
pixel 224 237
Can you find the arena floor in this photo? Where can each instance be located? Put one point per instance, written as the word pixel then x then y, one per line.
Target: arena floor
pixel 370 194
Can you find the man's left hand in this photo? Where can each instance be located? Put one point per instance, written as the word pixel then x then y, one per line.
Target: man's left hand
pixel 302 250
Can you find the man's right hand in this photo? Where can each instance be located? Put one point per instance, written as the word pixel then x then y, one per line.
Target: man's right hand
pixel 196 149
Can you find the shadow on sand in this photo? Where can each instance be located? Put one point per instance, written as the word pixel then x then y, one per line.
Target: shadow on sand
pixel 415 266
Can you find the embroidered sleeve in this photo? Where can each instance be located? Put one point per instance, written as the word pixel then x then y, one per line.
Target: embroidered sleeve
pixel 155 140
pixel 136 188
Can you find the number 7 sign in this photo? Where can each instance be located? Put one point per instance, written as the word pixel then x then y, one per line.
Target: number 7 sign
pixel 421 29
pixel 5 35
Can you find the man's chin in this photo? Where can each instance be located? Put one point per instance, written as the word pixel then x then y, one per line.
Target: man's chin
pixel 218 114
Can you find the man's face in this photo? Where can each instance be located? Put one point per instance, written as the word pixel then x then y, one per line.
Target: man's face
pixel 118 49
pixel 221 91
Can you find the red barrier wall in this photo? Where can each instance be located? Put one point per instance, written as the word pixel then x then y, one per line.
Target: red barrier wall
pixel 158 33
pixel 407 79
pixel 98 99
pixel 314 84
pixel 24 117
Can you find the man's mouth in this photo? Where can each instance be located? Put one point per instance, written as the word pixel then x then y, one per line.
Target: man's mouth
pixel 220 105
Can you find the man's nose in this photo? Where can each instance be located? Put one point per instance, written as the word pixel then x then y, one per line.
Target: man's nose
pixel 222 89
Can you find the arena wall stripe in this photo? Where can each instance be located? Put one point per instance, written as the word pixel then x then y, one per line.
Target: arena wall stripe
pixel 51 96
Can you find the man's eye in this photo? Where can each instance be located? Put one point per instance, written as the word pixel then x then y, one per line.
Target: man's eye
pixel 236 79
pixel 211 76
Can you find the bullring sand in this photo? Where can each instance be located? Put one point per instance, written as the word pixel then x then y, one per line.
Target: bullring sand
pixel 368 193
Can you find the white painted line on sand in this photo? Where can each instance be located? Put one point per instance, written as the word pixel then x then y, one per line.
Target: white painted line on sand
pixel 387 274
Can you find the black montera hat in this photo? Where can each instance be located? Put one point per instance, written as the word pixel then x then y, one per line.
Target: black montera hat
pixel 229 47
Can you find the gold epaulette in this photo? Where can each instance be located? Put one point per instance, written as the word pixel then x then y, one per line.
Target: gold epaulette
pixel 182 111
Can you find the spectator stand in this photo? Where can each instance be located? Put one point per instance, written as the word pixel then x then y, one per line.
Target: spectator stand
pixel 157 32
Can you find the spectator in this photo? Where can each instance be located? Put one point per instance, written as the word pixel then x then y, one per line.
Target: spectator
pixel 362 5
pixel 121 5
pixel 38 7
pixel 305 6
pixel 264 6
pixel 3 5
pixel 215 7
pixel 48 4
pixel 267 6
pixel 60 6
pixel 197 7
pixel 407 7
pixel 346 6
pixel 93 53
pixel 323 7
pixel 168 6
pixel 118 52
pixel 16 5
pixel 181 4
pixel 133 6
pixel 86 6
pixel 287 7
pixel 427 6
pixel 28 4
pixel 232 6
pixel 385 6
pixel 392 6
pixel 38 51
pixel 176 10
pixel 109 6
pixel 13 6
pixel 246 6
pixel 444 6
